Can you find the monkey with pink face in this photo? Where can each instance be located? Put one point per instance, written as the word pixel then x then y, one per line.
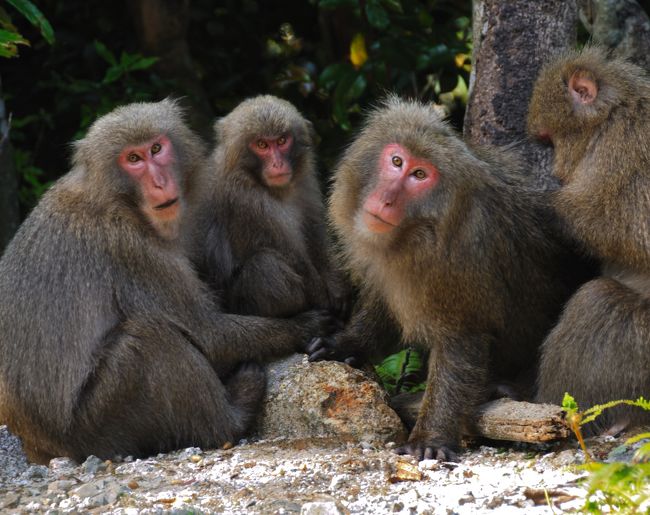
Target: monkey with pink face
pixel 452 250
pixel 110 343
pixel 261 240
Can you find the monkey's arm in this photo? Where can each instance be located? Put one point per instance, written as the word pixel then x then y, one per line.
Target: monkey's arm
pixel 267 285
pixel 237 338
pixel 456 384
pixel 370 331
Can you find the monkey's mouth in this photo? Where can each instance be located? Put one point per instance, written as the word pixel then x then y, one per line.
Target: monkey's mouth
pixel 167 204
pixel 376 223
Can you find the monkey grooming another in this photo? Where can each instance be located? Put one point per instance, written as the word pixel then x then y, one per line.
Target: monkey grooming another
pixel 264 200
pixel 596 113
pixel 110 343
pixel 449 243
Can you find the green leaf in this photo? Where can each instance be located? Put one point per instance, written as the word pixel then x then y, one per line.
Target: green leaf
pixel 35 17
pixel 112 74
pixel 377 15
pixel 13 38
pixel 569 403
pixel 105 53
pixel 143 63
pixel 8 42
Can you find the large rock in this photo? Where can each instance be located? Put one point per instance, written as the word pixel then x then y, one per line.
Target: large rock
pixel 326 399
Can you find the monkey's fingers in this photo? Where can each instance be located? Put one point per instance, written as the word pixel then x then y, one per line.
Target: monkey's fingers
pixel 314 345
pixel 321 354
pixel 432 449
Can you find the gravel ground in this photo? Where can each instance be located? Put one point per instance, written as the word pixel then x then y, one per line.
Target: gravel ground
pixel 314 477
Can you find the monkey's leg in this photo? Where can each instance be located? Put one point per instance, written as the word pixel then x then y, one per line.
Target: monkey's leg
pixel 153 391
pixel 266 285
pixel 456 384
pixel 600 351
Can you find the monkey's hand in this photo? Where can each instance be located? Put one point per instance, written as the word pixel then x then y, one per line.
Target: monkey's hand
pixel 331 348
pixel 317 323
pixel 429 449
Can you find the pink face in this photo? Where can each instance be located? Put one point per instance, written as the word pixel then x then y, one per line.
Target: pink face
pixel 151 165
pixel 274 156
pixel 403 177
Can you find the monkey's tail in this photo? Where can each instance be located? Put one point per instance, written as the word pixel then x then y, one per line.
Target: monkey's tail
pixel 246 388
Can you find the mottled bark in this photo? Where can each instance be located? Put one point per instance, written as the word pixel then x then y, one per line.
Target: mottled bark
pixel 512 40
pixel 9 210
pixel 621 25
pixel 161 26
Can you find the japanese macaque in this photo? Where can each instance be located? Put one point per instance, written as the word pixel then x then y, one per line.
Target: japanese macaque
pixel 264 201
pixel 452 250
pixel 110 343
pixel 595 112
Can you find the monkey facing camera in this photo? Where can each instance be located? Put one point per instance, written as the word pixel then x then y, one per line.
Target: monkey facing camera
pixel 263 242
pixel 451 249
pixel 595 111
pixel 110 343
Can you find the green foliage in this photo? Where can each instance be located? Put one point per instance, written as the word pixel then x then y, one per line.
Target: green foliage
pixel 331 58
pixel 618 488
pixel 35 17
pixel 614 487
pixel 128 63
pixel 10 38
pixel 400 372
pixel 404 50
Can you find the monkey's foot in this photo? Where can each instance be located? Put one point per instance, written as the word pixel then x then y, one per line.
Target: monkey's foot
pixel 429 449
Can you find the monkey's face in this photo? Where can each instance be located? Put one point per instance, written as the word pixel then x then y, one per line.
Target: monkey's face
pixel 151 166
pixel 401 179
pixel 275 159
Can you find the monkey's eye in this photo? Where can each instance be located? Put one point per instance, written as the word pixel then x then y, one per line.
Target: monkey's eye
pixel 419 174
pixel 133 158
pixel 282 140
pixel 262 144
pixel 155 148
pixel 397 161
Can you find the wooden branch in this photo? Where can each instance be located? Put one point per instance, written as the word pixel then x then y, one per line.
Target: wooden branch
pixel 505 419
pixel 502 419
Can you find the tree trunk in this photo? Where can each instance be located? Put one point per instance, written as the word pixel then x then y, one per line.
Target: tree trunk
pixel 9 209
pixel 620 25
pixel 161 26
pixel 512 40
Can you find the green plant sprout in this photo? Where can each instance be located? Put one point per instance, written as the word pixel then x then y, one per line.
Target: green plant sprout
pixel 620 487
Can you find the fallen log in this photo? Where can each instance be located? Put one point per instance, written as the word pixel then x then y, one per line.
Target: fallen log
pixel 501 419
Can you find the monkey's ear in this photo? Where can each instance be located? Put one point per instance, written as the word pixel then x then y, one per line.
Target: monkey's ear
pixel 583 87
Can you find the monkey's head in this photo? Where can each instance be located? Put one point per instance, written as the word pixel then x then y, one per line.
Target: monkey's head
pixel 266 138
pixel 402 172
pixel 576 93
pixel 141 156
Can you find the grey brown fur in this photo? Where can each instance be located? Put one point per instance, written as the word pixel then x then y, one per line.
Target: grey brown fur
pixel 474 273
pixel 600 349
pixel 276 263
pixel 110 344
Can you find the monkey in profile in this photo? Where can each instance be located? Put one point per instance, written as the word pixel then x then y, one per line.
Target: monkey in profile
pixel 264 201
pixel 596 113
pixel 110 343
pixel 452 249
